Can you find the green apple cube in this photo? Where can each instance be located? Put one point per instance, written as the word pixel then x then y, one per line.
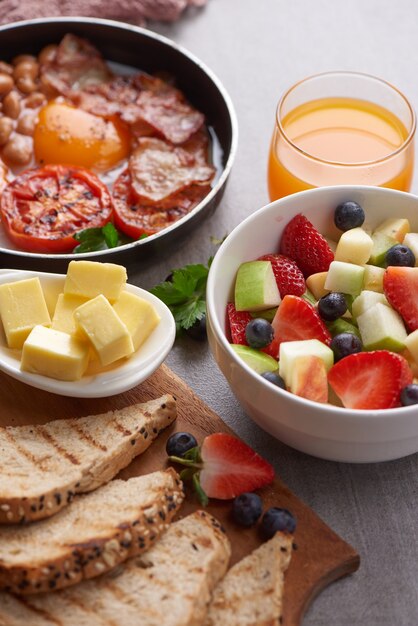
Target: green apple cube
pixel 411 343
pixel 394 227
pixel 342 326
pixel 256 287
pixel 344 277
pixel 382 328
pixel 258 361
pixel 411 240
pixel 366 300
pixel 381 244
pixel 373 278
pixel 354 246
pixel 291 350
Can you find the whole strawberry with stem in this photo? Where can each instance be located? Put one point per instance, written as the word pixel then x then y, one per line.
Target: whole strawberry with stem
pixel 223 467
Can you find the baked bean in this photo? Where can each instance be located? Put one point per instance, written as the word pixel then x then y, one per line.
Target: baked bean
pixel 25 69
pixel 6 68
pixel 11 105
pixel 23 57
pixel 26 84
pixel 35 100
pixel 6 84
pixel 47 54
pixel 18 149
pixel 26 123
pixel 6 128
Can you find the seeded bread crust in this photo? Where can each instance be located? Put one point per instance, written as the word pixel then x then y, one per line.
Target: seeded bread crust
pixel 96 533
pixel 170 585
pixel 43 467
pixel 251 593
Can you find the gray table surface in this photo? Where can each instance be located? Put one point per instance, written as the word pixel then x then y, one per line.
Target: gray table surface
pixel 258 48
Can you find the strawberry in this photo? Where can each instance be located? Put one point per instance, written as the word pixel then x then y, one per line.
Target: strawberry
pixel 223 467
pixel 295 320
pixel 238 321
pixel 370 380
pixel 288 276
pixel 400 285
pixel 306 246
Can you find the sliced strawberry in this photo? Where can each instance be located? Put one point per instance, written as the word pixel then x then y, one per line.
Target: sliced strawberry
pixel 238 321
pixel 400 285
pixel 370 380
pixel 306 246
pixel 230 467
pixel 288 276
pixel 296 320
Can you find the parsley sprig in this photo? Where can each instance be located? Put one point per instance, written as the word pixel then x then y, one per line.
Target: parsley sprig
pixel 105 238
pixel 185 294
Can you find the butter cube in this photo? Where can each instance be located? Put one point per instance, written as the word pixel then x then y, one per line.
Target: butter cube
pixel 108 335
pixel 22 306
pixel 90 279
pixel 64 313
pixel 138 315
pixel 55 354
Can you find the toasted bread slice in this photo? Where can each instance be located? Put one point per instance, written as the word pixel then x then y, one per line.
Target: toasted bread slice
pixel 251 592
pixel 98 531
pixel 43 467
pixel 170 585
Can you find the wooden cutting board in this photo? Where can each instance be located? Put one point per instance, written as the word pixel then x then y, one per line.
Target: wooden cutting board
pixel 320 555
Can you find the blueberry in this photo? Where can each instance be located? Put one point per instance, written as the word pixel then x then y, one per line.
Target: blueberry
pixel 259 333
pixel 348 215
pixel 345 344
pixel 179 443
pixel 275 379
pixel 409 395
pixel 246 509
pixel 332 306
pixel 198 330
pixel 276 519
pixel 400 255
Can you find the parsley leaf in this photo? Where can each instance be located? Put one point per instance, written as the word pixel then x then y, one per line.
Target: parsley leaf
pixel 93 239
pixel 185 294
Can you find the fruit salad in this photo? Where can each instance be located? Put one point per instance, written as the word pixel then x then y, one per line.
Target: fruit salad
pixel 333 321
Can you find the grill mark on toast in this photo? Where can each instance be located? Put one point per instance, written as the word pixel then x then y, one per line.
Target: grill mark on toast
pixel 127 598
pixel 22 450
pixel 75 599
pixel 50 439
pixel 85 436
pixel 120 428
pixel 37 611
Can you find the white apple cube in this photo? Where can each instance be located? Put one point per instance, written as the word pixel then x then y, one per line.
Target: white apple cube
pixel 354 246
pixel 382 328
pixel 291 350
pixel 366 300
pixel 373 278
pixel 345 277
pixel 315 283
pixel 256 287
pixel 393 227
pixel 411 343
pixel 411 240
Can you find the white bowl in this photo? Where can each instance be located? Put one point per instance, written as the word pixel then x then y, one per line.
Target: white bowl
pixel 123 375
pixel 323 430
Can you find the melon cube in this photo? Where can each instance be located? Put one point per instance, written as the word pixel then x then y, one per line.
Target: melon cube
pixel 394 227
pixel 411 240
pixel 315 283
pixel 366 300
pixel 354 246
pixel 382 328
pixel 373 278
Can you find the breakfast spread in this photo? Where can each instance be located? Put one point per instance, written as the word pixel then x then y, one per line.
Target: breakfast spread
pixel 44 467
pixel 82 146
pixel 319 314
pixel 93 319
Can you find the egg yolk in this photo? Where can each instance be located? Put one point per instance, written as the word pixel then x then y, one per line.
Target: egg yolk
pixel 72 136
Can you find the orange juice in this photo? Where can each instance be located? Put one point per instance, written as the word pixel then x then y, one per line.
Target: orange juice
pixel 332 141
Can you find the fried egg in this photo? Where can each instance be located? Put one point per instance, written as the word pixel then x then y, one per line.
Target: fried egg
pixel 71 136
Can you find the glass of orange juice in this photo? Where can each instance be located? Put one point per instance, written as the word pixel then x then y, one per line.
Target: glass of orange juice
pixel 341 128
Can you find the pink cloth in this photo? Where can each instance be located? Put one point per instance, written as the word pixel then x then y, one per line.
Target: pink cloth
pixel 133 11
